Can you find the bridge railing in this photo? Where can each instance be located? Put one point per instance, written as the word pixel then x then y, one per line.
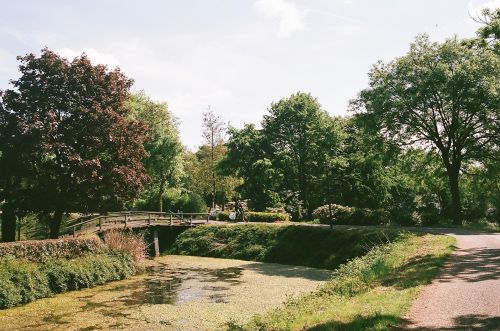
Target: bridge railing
pixel 133 219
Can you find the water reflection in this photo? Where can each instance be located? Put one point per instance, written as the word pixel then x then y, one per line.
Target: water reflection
pixel 164 285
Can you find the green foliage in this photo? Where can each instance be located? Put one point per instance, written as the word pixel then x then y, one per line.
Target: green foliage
pixel 23 281
pixel 288 161
pixel 66 140
pixel 338 214
pixel 163 162
pixel 294 245
pixel 415 99
pixel 253 216
pixel 175 200
pixel 42 250
pixel 199 172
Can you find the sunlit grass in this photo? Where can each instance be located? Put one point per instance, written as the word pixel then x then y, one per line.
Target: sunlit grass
pixel 369 293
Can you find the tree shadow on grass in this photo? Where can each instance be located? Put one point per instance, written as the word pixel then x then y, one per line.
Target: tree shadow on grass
pixel 463 322
pixel 392 322
pixel 417 271
pixel 471 265
pixel 376 322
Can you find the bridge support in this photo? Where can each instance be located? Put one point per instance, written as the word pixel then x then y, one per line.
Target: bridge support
pixel 156 242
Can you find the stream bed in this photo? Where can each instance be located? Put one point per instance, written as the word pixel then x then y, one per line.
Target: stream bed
pixel 174 293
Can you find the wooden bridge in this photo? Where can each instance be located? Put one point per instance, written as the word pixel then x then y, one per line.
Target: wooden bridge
pixel 132 219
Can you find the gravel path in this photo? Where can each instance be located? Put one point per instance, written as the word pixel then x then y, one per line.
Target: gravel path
pixel 466 295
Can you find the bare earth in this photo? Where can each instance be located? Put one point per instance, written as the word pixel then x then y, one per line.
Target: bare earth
pixel 466 295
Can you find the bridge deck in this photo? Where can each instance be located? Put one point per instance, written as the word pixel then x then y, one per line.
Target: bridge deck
pixel 134 220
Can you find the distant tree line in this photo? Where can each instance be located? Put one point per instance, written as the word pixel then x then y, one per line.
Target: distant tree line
pixel 422 142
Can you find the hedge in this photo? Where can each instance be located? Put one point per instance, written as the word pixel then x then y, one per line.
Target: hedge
pixel 338 214
pixel 253 216
pixel 22 281
pixel 41 250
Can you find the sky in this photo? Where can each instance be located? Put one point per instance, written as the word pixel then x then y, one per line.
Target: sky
pixel 236 56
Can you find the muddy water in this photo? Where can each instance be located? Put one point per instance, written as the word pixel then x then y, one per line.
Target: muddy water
pixel 174 293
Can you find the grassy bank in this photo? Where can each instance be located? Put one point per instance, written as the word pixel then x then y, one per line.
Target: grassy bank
pixel 287 244
pixel 371 292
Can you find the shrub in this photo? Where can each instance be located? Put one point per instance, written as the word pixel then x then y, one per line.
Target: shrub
pixel 174 200
pixel 338 214
pixel 128 241
pixel 252 216
pixel 22 281
pixel 41 250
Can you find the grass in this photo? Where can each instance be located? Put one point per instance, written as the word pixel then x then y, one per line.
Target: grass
pixel 371 292
pixel 309 246
pixel 482 225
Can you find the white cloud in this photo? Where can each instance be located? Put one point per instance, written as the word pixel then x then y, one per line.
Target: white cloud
pixel 95 56
pixel 475 6
pixel 290 17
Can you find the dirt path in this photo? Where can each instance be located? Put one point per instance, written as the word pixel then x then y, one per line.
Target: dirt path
pixel 467 293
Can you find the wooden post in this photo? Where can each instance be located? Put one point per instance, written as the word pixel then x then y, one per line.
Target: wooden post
pixel 149 219
pixel 74 231
pixel 125 220
pixel 191 220
pixel 170 219
pixel 208 217
pixel 100 225
pixel 156 242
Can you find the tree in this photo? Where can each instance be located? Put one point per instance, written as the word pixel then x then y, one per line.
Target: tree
pixel 291 160
pixel 443 96
pixel 489 33
pixel 214 131
pixel 67 142
pixel 199 180
pixel 302 138
pixel 163 162
pixel 248 158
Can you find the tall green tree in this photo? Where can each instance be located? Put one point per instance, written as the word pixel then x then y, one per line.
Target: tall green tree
pixel 163 161
pixel 66 139
pixel 248 158
pixel 443 96
pixel 302 137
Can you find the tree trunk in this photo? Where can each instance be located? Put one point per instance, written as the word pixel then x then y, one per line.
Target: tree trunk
pixel 456 206
pixel 55 225
pixel 160 194
pixel 8 223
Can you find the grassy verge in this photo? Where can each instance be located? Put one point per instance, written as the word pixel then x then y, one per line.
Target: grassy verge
pixel 371 292
pixel 287 244
pixel 479 226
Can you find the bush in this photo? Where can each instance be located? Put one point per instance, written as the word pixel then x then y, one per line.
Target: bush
pixel 338 214
pixel 174 200
pixel 22 281
pixel 128 241
pixel 41 250
pixel 252 216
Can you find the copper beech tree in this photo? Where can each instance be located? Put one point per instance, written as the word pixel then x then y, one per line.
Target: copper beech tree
pixel 67 143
